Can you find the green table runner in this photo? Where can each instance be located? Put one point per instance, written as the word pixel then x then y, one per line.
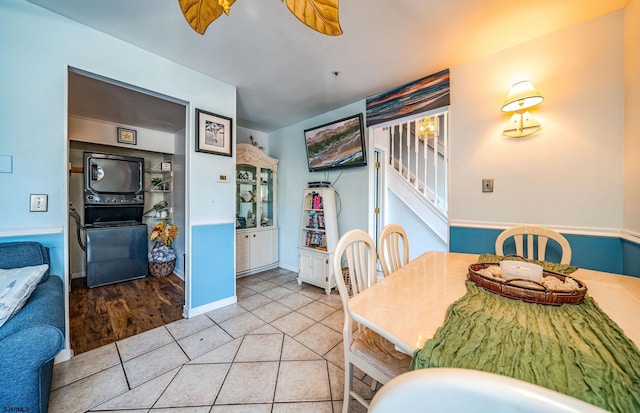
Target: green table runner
pixel 573 349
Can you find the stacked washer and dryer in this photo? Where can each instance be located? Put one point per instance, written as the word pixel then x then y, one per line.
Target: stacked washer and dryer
pixel 116 238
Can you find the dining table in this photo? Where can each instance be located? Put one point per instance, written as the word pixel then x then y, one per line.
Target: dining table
pixel 408 306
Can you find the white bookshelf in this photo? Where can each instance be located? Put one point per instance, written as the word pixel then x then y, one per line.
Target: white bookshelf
pixel 318 238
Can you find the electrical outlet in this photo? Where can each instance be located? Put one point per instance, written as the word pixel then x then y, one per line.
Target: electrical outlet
pixel 39 203
pixel 487 185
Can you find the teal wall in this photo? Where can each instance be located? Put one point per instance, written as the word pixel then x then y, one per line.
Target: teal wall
pixel 55 243
pixel 631 258
pixel 609 254
pixel 213 259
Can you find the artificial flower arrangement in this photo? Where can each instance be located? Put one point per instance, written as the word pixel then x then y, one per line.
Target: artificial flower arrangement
pixel 163 234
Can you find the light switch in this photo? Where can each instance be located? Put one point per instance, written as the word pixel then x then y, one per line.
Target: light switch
pixel 487 185
pixel 39 203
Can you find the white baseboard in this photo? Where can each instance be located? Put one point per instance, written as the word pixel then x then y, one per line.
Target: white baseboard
pixel 179 273
pixel 257 270
pixel 64 355
pixel 288 267
pixel 81 274
pixel 189 313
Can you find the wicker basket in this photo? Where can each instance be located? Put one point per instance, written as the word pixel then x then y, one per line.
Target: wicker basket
pixel 161 269
pixel 347 280
pixel 540 295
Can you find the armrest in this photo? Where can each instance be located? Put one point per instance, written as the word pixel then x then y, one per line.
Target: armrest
pixel 29 349
pixel 26 367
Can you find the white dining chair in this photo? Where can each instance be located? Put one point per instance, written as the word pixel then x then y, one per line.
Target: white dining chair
pixel 454 390
pixel 393 248
pixel 534 235
pixel 358 251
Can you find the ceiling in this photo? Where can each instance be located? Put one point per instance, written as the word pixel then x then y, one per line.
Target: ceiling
pixel 98 98
pixel 285 72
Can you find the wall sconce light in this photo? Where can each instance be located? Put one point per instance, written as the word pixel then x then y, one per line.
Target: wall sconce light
pixel 522 96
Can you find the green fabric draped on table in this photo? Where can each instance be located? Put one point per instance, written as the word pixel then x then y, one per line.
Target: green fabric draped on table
pixel 573 349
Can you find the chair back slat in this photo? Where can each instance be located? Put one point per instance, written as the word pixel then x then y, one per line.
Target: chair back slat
pixel 542 247
pixel 535 236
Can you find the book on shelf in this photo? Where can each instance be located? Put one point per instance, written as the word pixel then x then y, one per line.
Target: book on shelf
pixel 316 200
pixel 315 240
pixel 320 220
pixel 316 220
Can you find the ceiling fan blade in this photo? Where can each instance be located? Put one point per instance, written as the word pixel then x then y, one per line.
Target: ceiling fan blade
pixel 200 13
pixel 320 15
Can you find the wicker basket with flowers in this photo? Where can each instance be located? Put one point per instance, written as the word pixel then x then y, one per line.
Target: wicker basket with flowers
pixel 162 258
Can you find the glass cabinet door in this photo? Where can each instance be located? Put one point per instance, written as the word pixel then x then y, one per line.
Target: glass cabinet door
pixel 247 193
pixel 266 197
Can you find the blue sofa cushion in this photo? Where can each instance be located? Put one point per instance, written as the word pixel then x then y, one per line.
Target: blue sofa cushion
pixel 30 340
pixel 16 286
pixel 23 254
pixel 33 336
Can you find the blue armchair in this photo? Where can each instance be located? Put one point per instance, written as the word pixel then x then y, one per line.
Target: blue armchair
pixel 30 340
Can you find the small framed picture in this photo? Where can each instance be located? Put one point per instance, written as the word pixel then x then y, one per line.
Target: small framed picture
pixel 165 166
pixel 127 136
pixel 213 134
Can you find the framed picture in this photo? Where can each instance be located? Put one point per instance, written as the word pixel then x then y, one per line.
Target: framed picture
pixel 213 134
pixel 127 136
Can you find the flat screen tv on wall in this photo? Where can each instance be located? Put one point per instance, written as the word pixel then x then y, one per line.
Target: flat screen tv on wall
pixel 338 144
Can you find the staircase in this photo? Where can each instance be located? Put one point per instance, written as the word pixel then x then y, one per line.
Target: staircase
pixel 417 169
pixel 418 203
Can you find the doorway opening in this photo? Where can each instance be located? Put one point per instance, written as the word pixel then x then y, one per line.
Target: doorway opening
pixel 122 303
pixel 411 178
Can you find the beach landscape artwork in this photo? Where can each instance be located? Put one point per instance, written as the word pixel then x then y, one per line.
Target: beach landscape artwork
pixel 338 144
pixel 422 95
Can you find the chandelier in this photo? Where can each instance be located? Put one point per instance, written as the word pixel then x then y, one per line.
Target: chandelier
pixel 429 127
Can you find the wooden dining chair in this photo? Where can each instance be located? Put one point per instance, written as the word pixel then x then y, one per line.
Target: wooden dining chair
pixel 534 235
pixel 358 251
pixel 393 248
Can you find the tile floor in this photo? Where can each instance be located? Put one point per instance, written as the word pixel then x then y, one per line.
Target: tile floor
pixel 279 350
